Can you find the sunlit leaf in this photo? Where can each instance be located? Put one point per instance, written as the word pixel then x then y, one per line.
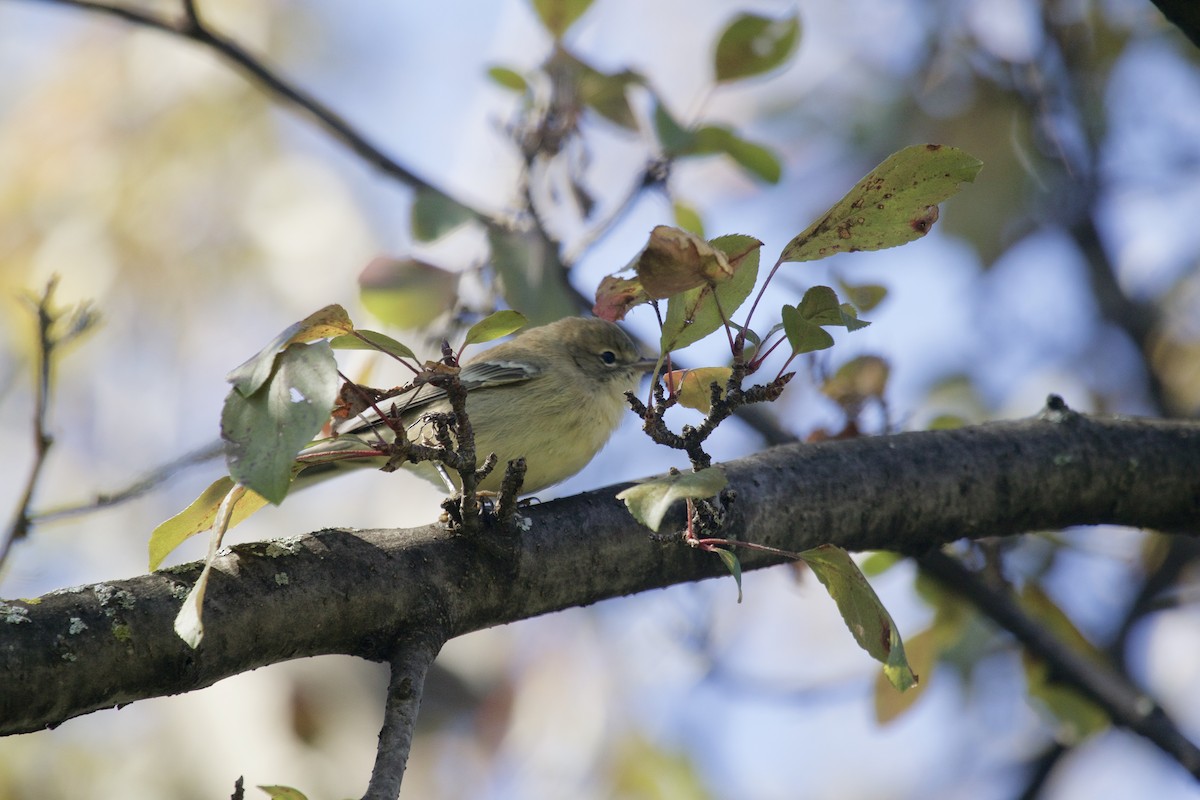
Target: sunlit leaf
pixel 688 218
pixel 558 15
pixel 495 325
pixel 857 380
pixel 264 431
pixel 508 78
pixel 283 793
pixel 405 292
pixel 865 616
pixel 693 387
pixel 753 44
pixel 435 214
pixel 329 321
pixel 695 314
pixel 894 204
pixel 650 500
pixel 189 624
pixel 198 517
pixel 372 340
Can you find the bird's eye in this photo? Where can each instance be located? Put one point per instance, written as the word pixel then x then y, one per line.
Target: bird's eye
pixel 608 357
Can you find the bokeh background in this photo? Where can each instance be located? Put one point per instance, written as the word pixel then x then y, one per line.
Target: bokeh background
pixel 200 217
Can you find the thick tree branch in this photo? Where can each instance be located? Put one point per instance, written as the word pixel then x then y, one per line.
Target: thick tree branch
pixel 354 592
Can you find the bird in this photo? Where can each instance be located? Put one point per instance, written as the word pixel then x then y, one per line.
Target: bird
pixel 553 394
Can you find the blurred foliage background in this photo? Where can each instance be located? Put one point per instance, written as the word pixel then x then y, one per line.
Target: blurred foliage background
pixel 201 216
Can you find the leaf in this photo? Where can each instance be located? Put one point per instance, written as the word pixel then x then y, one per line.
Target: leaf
pixel 558 15
pixel 894 204
pixel 405 292
pixel 922 652
pixel 867 619
pixel 865 296
pixel 1077 716
pixel 733 565
pixel 648 501
pixel 435 214
pixel 493 326
pixel 283 793
pixel 858 380
pixel 752 45
pixel 531 275
pixel 508 78
pixel 694 386
pixel 754 158
pixel 695 314
pixel 802 335
pixel 615 296
pixel 330 321
pixel 820 306
pixel 264 431
pixel 198 517
pixel 189 624
pixel 673 137
pixel 674 261
pixel 687 218
pixel 605 94
pixel 372 340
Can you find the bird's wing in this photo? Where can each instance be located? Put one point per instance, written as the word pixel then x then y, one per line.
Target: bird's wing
pixel 476 375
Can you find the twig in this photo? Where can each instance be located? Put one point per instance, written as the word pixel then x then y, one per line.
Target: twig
pixel 42 441
pixel 410 662
pixel 1123 703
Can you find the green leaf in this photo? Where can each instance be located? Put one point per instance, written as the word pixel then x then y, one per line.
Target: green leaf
pixel 329 321
pixel 894 204
pixel 865 296
pixel 435 214
pixel 264 431
pixel 820 306
pixel 867 619
pixel 649 501
pixel 687 218
pixel 198 517
pixel 508 78
pixel 405 292
pixel 850 318
pixel 695 314
pixel 283 793
pixel 531 275
pixel 672 137
pixel 1077 716
pixel 558 15
pixel 733 565
pixel 372 340
pixel 754 158
pixel 493 326
pixel 802 335
pixel 752 45
pixel 921 651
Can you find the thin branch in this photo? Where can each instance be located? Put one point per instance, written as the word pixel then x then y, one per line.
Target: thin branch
pixel 18 529
pixel 193 28
pixel 410 662
pixel 1123 703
